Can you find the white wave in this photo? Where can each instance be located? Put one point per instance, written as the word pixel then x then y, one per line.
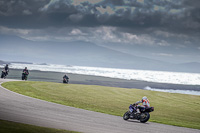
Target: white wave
pixel 144 75
pixel 191 92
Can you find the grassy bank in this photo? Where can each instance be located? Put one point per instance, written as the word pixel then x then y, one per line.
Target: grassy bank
pixel 13 127
pixel 173 109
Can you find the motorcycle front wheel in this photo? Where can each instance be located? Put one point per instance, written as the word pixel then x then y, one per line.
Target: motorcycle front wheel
pixel 3 75
pixel 144 117
pixel 126 116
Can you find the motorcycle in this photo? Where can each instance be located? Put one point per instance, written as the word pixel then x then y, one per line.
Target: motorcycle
pixel 3 74
pixel 24 75
pixel 65 80
pixel 143 116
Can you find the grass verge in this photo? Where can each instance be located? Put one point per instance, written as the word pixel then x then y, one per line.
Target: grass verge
pixel 13 127
pixel 173 109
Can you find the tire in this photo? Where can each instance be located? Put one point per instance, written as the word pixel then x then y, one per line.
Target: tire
pixel 22 77
pixel 3 76
pixel 144 117
pixel 126 116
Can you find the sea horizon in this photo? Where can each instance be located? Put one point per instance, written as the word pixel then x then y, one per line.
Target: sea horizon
pixel 184 78
pixel 180 78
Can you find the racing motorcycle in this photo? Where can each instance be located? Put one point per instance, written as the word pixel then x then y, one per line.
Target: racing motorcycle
pixel 25 75
pixel 3 74
pixel 65 80
pixel 143 116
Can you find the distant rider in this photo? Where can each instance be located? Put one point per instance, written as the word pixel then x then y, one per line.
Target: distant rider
pixel 65 79
pixel 145 104
pixel 6 68
pixel 25 73
pixel 25 70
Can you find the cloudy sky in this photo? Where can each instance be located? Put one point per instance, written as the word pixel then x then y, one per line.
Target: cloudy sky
pixel 167 30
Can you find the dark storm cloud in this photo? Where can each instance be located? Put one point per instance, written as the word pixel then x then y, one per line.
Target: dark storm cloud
pixel 164 28
pixel 127 13
pixel 166 19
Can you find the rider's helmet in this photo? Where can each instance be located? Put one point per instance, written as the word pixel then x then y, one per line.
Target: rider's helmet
pixel 25 67
pixel 145 102
pixel 6 64
pixel 144 98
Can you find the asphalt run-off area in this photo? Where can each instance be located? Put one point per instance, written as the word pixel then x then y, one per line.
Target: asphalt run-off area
pixel 19 108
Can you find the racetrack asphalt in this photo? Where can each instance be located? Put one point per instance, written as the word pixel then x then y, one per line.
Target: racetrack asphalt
pixel 19 108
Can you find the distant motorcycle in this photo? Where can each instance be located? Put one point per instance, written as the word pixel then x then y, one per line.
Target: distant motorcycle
pixel 24 75
pixel 3 74
pixel 65 80
pixel 143 116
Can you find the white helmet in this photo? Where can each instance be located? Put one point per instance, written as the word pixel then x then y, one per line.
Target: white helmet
pixel 144 98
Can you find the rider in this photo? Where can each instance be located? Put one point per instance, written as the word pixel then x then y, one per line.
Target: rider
pixel 65 77
pixel 25 71
pixel 6 68
pixel 145 104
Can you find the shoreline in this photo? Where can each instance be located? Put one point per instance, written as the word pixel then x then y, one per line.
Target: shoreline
pixel 36 75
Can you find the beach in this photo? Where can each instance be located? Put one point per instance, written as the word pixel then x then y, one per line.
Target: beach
pixel 48 76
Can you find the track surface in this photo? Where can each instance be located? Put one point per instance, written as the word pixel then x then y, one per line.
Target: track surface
pixel 19 108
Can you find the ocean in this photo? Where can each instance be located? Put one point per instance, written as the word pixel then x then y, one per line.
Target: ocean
pixel 128 74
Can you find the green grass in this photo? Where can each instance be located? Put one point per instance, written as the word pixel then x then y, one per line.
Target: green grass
pixel 13 127
pixel 173 109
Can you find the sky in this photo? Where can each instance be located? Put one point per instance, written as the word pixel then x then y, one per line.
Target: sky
pixel 165 30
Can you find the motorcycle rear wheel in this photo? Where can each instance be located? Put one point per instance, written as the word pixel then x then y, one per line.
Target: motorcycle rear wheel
pixel 126 116
pixel 144 117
